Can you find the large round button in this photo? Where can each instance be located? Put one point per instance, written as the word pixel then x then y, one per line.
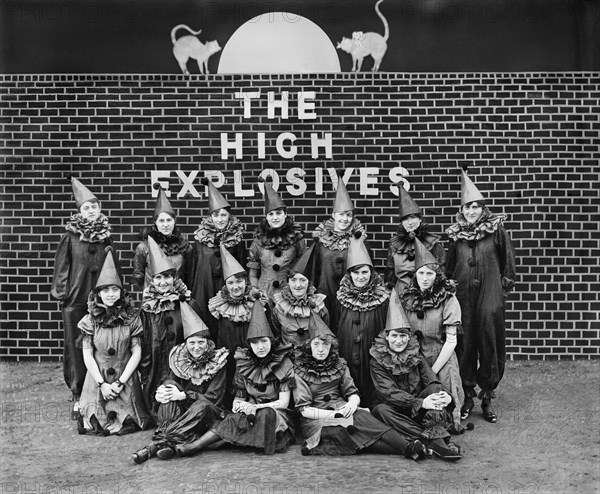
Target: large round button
pixel 111 351
pixel 110 371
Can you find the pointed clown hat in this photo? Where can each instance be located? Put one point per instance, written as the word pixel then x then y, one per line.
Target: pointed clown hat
pixel 192 324
pixel 229 264
pixel 216 200
pixel 468 191
pixel 158 262
pixel 81 193
pixel 272 198
pixel 396 317
pixel 407 205
pixel 423 256
pixel 317 327
pixel 305 264
pixel 162 203
pixel 342 198
pixel 357 254
pixel 259 326
pixel 109 275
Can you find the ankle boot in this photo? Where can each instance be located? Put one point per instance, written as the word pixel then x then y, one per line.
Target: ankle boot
pixel 144 454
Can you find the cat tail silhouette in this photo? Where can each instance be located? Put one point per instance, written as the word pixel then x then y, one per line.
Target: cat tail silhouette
pixel 182 26
pixel 386 26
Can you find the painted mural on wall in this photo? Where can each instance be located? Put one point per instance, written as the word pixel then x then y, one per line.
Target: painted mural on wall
pixel 362 45
pixel 280 43
pixel 189 46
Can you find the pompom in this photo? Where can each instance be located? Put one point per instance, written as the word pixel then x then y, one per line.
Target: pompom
pixel 204 181
pixel 357 234
pixel 470 426
pixel 256 295
pixel 112 415
pixel 94 269
pixel 420 314
pixel 339 260
pixel 261 387
pixel 338 415
pixel 156 186
pixel 251 419
pixel 276 267
pixel 356 320
pixel 300 332
pixel 277 253
pixel 111 351
pixel 419 335
pixel 389 285
pixel 168 320
pixel 182 297
pixel 351 429
pixel 327 397
pixel 110 371
pixel 276 284
pixel 312 305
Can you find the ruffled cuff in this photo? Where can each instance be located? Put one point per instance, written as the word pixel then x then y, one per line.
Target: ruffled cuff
pixel 253 265
pixel 416 407
pixel 487 395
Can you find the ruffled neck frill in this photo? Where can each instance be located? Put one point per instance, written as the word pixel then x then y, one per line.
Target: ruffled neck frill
pixel 237 309
pixel 396 363
pixel 208 234
pixel 121 313
pixel 278 238
pixel 487 224
pixel 197 370
pixel 363 299
pixel 414 299
pixel 291 306
pixel 333 240
pixel 314 371
pixel 155 301
pixel 276 366
pixel 89 231
pixel 171 245
pixel 404 241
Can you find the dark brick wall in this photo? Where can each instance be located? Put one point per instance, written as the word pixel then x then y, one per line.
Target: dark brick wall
pixel 531 142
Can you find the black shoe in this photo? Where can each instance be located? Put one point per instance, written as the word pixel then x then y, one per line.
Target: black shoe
pixel 141 455
pixel 416 450
pixel 166 453
pixel 466 409
pixel 443 452
pixel 488 411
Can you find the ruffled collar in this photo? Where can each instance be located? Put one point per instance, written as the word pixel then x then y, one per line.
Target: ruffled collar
pixel 367 298
pixel 121 313
pixel 314 371
pixel 209 235
pixel 155 301
pixel 404 241
pixel 172 245
pixel 197 370
pixel 278 238
pixel 89 231
pixel 276 366
pixel 291 306
pixel 463 230
pixel 235 309
pixel 333 240
pixel 396 363
pixel 415 300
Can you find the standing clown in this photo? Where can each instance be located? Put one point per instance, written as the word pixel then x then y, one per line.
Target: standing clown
pixel 481 258
pixel 78 261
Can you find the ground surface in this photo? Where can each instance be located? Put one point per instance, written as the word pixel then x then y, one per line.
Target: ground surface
pixel 547 439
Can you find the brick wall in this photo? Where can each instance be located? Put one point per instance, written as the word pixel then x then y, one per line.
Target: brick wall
pixel 531 141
